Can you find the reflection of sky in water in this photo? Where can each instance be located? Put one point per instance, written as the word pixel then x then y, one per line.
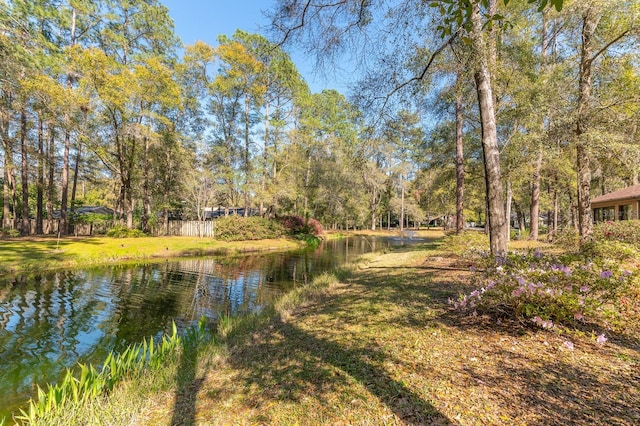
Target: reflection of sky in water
pixel 53 321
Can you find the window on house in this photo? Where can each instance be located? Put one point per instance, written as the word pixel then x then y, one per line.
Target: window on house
pixel 597 215
pixel 624 212
pixel 603 214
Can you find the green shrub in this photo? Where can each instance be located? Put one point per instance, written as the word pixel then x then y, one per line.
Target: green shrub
pixel 467 242
pixel 311 240
pixel 626 231
pixel 237 228
pixel 568 239
pixel 610 249
pixel 7 232
pixel 518 235
pixel 123 232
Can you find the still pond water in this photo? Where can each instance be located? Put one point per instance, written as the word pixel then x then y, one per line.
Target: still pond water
pixel 52 321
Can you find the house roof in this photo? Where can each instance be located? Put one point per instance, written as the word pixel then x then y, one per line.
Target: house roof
pixel 93 209
pixel 628 193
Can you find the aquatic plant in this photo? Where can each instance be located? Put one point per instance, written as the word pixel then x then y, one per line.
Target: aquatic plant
pixel 86 382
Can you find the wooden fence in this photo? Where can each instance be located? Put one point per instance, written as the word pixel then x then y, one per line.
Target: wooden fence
pixel 180 228
pixel 187 228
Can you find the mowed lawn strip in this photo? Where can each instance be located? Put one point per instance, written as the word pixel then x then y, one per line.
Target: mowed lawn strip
pixel 19 255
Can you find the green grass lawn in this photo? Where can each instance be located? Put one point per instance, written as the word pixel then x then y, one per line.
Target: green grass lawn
pixel 33 254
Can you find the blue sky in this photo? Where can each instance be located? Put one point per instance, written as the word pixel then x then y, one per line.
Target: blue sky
pixel 206 19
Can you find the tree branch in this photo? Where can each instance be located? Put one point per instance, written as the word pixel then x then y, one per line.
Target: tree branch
pixel 289 31
pixel 424 70
pixel 608 45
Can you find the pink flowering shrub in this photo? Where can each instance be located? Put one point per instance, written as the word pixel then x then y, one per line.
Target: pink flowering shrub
pixel 297 225
pixel 547 290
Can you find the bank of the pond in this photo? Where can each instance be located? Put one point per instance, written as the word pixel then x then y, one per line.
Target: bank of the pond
pixel 28 254
pixel 379 344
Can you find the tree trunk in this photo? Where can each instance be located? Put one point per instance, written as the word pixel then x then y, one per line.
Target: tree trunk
pixel 8 184
pixel 166 220
pixel 128 204
pixel 51 167
pixel 495 199
pixel 590 22
pixel 535 197
pixel 13 184
pixel 634 168
pixel 307 182
pixel 26 224
pixel 64 183
pixel 146 192
pixel 534 212
pixel 265 157
pixel 553 231
pixel 459 164
pixel 40 186
pixel 507 210
pixel 487 222
pixel 402 202
pixel 76 168
pixel 246 156
pixel 6 212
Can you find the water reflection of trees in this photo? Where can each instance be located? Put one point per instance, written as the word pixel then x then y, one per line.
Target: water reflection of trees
pixel 51 321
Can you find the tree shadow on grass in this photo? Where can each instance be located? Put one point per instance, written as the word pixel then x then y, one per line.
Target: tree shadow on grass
pixel 331 344
pixel 537 379
pixel 424 287
pixel 322 358
pixel 290 364
pixel 187 387
pixel 19 253
pixel 559 392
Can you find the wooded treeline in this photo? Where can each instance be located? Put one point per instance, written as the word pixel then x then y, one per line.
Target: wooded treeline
pixel 466 109
pixel 535 94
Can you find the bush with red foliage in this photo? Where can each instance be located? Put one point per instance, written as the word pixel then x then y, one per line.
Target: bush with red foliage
pixel 296 225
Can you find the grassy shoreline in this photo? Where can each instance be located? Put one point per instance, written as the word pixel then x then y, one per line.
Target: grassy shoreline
pixel 377 343
pixel 25 255
pixel 29 254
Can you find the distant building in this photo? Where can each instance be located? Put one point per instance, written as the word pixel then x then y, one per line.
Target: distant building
pixel 216 212
pixel 618 205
